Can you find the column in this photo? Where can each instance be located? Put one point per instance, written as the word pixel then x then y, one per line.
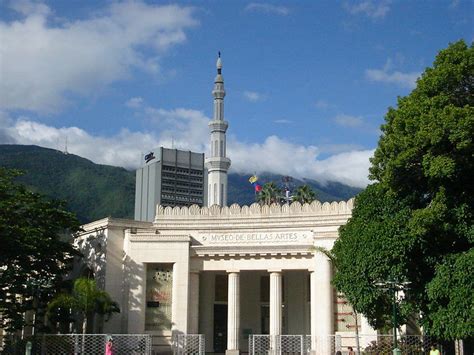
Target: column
pixel 275 309
pixel 321 306
pixel 233 314
pixel 193 316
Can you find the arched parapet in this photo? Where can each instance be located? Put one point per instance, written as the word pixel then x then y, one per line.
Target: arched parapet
pixel 225 211
pixel 194 210
pixel 160 210
pixel 295 207
pixel 275 208
pixel 235 209
pixel 215 210
pixel 265 209
pixel 350 204
pixel 255 208
pixel 326 207
pixel 315 206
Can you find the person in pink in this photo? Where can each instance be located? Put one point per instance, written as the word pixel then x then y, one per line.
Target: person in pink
pixel 108 347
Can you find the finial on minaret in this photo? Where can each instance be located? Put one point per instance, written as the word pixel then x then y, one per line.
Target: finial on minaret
pixel 219 63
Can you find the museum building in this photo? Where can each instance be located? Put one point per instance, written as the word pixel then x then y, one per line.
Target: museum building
pixel 226 272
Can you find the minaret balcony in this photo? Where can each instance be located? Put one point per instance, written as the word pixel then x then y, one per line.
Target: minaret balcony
pixel 217 163
pixel 218 126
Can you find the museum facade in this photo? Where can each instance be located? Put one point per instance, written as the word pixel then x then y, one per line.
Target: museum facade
pixel 226 272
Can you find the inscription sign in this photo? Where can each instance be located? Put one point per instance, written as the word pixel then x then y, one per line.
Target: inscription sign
pixel 256 238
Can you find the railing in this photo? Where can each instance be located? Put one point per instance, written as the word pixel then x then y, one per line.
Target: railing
pixel 184 344
pixel 330 344
pixel 79 344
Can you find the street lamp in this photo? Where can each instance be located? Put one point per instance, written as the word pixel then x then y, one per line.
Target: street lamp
pixel 393 286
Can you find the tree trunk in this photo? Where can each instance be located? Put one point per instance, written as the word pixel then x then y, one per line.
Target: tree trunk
pixel 356 331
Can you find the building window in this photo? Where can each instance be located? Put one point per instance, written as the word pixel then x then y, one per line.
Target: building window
pixel 159 286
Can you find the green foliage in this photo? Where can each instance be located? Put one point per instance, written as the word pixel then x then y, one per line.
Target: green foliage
pixel 91 190
pixel 450 292
pixel 304 194
pixel 419 215
pixel 269 194
pixel 86 299
pixel 35 251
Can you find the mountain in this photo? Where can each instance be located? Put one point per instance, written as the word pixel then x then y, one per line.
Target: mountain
pixel 95 191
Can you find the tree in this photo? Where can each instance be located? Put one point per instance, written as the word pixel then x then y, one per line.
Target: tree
pixel 35 252
pixel 269 194
pixel 304 194
pixel 86 299
pixel 416 221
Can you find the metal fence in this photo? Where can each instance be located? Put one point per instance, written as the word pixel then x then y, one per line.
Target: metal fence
pixel 184 344
pixel 78 344
pixel 327 345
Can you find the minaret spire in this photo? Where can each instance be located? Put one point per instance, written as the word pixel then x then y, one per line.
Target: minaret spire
pixel 218 164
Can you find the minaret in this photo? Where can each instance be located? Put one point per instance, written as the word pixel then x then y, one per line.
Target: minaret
pixel 218 164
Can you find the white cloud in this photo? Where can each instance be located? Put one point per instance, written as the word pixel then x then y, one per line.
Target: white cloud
pixel 134 102
pixel 267 8
pixel 27 7
pixel 375 9
pixel 321 104
pixel 348 121
pixel 187 129
pixel 283 121
pixel 390 76
pixel 406 80
pixel 253 96
pixel 276 155
pixel 43 64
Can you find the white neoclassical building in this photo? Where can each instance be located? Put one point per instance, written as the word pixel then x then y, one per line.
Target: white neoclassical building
pixel 226 272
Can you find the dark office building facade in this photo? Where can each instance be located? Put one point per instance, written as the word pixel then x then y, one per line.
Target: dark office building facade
pixel 169 177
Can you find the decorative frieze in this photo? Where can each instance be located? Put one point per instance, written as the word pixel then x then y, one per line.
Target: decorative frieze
pixel 255 209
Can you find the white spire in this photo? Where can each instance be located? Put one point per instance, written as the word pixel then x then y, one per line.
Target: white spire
pixel 219 63
pixel 217 163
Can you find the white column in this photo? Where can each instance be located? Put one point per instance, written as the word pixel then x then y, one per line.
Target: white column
pixel 321 305
pixel 275 308
pixel 193 316
pixel 233 314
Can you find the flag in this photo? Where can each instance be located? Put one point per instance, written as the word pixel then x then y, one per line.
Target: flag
pixel 253 179
pixel 258 188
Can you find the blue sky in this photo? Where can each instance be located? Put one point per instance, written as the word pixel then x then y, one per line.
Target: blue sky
pixel 308 82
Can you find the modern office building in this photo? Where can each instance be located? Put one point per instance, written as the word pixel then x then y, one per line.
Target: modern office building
pixel 169 177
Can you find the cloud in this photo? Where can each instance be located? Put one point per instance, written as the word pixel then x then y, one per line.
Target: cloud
pixel 187 129
pixel 267 8
pixel 83 56
pixel 371 8
pixel 27 7
pixel 321 104
pixel 283 121
pixel 276 155
pixel 348 121
pixel 406 80
pixel 390 76
pixel 253 96
pixel 134 102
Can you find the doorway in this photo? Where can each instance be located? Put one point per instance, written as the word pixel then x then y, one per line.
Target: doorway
pixel 220 328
